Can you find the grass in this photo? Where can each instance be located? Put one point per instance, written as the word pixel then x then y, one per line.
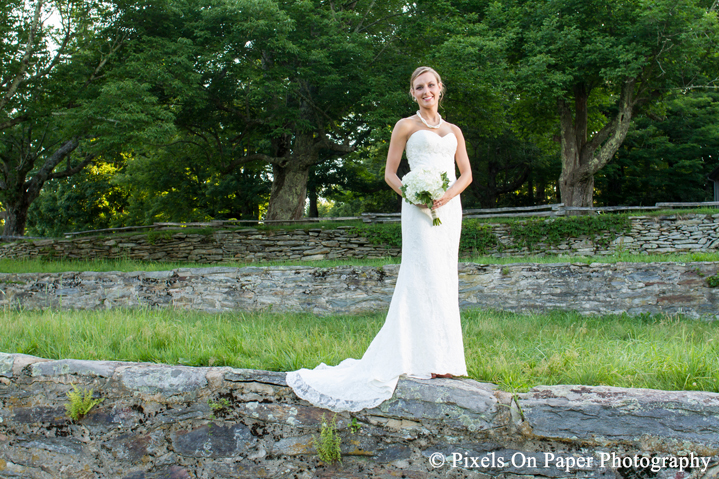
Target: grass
pixel 515 351
pixel 61 266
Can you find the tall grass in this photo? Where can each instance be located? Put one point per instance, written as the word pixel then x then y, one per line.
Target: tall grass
pixel 515 351
pixel 62 266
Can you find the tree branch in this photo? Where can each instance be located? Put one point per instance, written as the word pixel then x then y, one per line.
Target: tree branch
pixel 56 58
pixel 25 59
pixel 337 147
pixel 616 136
pixel 359 25
pixel 71 171
pixel 117 44
pixel 14 121
pixel 34 186
pixel 254 157
pixel 382 20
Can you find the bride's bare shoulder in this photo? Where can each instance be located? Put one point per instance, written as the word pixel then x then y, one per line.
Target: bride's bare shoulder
pixel 406 123
pixel 455 129
pixel 404 126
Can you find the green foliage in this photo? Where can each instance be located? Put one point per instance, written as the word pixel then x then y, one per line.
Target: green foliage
pixel 219 407
pixel 477 238
pixel 713 281
pixel 328 443
pixel 600 229
pixel 666 155
pixel 355 426
pixel 81 402
pixel 164 235
pixel 594 60
pixel 68 103
pixel 85 201
pixel 388 234
pixel 222 403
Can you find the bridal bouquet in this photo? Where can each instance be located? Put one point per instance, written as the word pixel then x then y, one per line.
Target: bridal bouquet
pixel 424 185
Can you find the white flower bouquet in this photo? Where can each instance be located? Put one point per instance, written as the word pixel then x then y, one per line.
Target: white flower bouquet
pixel 423 186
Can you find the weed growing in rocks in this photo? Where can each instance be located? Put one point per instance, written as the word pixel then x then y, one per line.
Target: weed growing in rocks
pixel 355 426
pixel 328 444
pixel 81 402
pixel 219 408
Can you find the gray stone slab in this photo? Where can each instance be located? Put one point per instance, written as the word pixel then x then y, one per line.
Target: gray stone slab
pixel 6 362
pixel 255 375
pixel 104 369
pixel 166 379
pixel 40 414
pixel 171 472
pixel 612 414
pixel 458 403
pixel 59 445
pixel 213 440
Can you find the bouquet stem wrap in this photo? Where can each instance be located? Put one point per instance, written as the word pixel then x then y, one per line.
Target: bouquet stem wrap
pixel 423 186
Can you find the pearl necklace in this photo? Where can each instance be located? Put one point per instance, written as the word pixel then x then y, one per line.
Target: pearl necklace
pixel 427 124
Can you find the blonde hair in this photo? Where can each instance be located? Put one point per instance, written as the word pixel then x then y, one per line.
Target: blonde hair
pixel 421 71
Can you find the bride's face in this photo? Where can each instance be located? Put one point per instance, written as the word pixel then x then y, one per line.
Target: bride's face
pixel 426 90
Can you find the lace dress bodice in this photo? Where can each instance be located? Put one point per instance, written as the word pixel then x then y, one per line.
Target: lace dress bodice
pixel 430 150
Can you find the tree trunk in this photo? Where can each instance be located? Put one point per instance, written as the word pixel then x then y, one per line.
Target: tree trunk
pixel 17 193
pixel 289 190
pixel 577 193
pixel 15 219
pixel 312 196
pixel 582 158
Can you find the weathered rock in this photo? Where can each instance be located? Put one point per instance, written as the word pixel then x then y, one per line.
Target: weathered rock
pixel 153 379
pixel 164 426
pixel 601 414
pixel 212 440
pixel 597 288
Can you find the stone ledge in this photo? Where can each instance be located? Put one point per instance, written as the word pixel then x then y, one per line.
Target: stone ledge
pixel 597 288
pixel 164 421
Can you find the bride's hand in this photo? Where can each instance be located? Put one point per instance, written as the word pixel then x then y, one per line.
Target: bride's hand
pixel 440 202
pixel 421 205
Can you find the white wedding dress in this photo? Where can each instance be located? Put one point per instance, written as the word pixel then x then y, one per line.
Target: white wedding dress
pixel 422 333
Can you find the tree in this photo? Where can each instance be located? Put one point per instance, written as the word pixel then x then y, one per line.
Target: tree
pixel 182 182
pixel 60 101
pixel 85 201
pixel 288 84
pixel 666 155
pixel 597 64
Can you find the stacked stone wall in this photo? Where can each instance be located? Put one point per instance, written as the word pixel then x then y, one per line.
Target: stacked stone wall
pixel 647 235
pixel 670 234
pixel 158 421
pixel 597 288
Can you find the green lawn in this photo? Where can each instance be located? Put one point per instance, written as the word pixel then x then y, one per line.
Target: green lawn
pixel 59 266
pixel 514 351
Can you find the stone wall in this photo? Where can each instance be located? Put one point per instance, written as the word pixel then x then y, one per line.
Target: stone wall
pixel 245 245
pixel 179 422
pixel 647 235
pixel 667 234
pixel 596 288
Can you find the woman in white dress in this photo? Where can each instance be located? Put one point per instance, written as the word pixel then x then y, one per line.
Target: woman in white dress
pixel 422 335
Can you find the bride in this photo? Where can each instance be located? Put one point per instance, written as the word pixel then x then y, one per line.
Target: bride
pixel 422 335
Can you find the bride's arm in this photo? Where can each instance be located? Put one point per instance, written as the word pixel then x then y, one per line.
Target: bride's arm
pixel 465 170
pixel 394 155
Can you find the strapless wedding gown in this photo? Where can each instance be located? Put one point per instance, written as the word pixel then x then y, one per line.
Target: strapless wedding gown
pixel 422 333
